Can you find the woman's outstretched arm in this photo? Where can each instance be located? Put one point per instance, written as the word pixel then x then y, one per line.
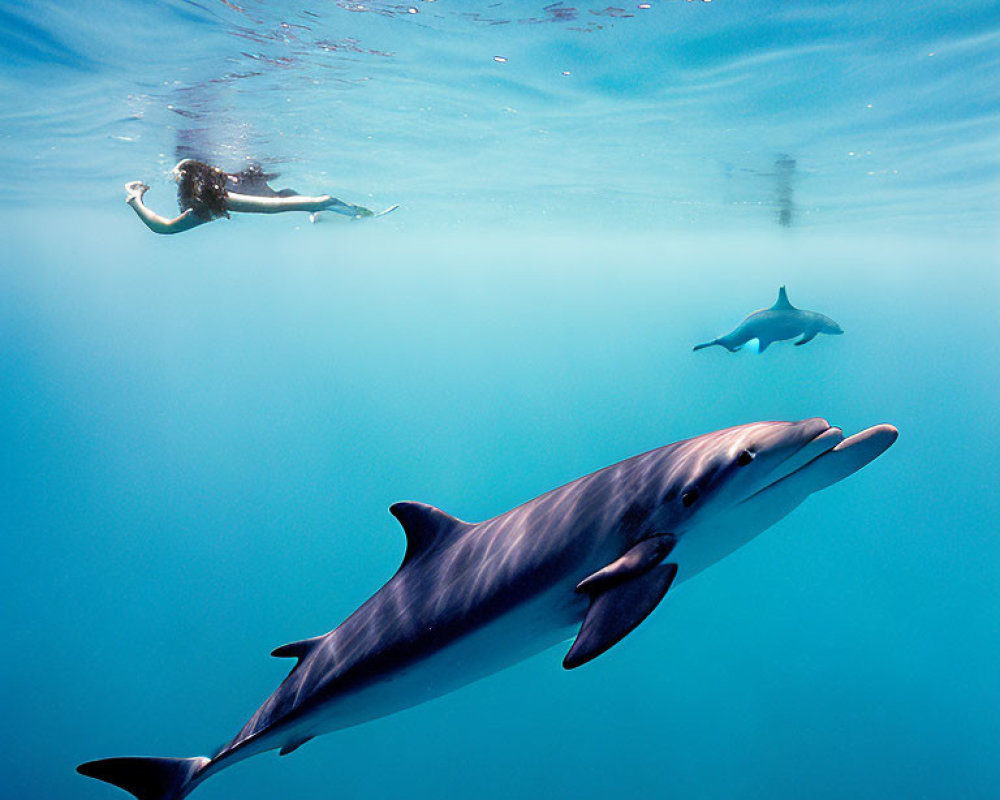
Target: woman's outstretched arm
pixel 157 224
pixel 252 204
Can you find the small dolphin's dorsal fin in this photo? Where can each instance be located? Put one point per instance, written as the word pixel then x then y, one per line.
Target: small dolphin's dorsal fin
pixel 782 304
pixel 299 649
pixel 423 525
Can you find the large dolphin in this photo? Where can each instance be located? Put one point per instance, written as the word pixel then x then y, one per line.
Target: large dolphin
pixel 473 598
pixel 780 321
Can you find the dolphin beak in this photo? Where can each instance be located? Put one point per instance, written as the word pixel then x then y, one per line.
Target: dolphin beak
pixel 827 458
pixel 818 445
pixel 856 451
pixel 835 463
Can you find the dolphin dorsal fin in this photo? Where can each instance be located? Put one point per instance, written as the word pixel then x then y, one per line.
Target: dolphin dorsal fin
pixel 423 525
pixel 782 304
pixel 299 649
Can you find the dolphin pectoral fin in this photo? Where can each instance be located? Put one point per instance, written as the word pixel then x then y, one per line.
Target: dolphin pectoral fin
pixel 291 748
pixel 622 595
pixel 807 337
pixel 762 345
pixel 616 611
pixel 637 560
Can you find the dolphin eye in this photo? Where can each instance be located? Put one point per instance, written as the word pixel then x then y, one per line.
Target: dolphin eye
pixel 744 458
pixel 689 497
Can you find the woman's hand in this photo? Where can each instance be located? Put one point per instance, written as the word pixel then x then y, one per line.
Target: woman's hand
pixel 134 191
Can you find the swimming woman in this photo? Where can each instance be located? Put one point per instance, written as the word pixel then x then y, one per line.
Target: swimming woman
pixel 205 193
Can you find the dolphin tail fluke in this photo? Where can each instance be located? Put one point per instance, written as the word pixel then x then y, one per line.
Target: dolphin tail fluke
pixel 147 778
pixel 722 342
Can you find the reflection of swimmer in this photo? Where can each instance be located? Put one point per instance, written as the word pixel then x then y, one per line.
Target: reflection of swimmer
pixel 783 175
pixel 784 170
pixel 205 193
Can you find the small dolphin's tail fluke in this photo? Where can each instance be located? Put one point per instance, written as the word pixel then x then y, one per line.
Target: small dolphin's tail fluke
pixel 722 341
pixel 147 778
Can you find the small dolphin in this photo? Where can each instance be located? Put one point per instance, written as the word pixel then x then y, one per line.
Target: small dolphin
pixel 473 598
pixel 780 321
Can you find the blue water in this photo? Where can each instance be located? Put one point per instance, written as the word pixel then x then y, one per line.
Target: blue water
pixel 201 434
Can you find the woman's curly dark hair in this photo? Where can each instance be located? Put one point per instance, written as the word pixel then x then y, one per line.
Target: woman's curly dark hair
pixel 202 188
